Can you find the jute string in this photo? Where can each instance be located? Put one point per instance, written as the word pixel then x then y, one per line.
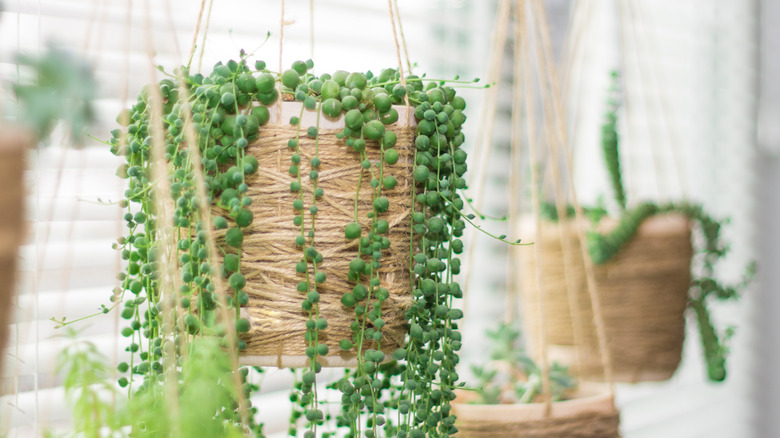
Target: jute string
pixel 559 142
pixel 523 73
pixel 270 254
pixel 398 51
pixel 164 216
pixel 633 21
pixel 568 252
pixel 484 143
pixel 198 21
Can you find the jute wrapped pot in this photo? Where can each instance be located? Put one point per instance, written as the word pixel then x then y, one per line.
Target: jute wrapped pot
pixel 13 146
pixel 643 292
pixel 276 337
pixel 590 413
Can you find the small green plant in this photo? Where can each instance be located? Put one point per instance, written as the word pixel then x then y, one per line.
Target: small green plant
pixel 52 87
pixel 512 376
pixel 198 400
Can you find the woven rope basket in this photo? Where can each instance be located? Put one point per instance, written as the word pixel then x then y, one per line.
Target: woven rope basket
pixel 13 148
pixel 276 337
pixel 643 292
pixel 591 414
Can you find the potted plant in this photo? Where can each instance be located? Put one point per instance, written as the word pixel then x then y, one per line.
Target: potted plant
pixel 304 221
pixel 508 400
pixel 647 274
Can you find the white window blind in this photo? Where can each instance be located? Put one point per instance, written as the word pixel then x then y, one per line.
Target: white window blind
pixel 701 53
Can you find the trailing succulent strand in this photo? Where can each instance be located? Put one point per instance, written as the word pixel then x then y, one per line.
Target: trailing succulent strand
pixel 223 128
pixel 228 107
pixel 610 149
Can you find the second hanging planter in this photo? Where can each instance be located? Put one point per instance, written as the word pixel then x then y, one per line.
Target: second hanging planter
pixel 643 292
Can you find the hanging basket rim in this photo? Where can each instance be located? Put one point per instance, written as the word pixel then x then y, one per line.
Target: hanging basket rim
pixel 590 397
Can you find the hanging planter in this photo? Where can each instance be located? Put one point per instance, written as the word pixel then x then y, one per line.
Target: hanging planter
pixel 510 399
pixel 309 221
pixel 643 292
pixel 278 325
pixel 590 413
pixel 649 269
pixel 14 144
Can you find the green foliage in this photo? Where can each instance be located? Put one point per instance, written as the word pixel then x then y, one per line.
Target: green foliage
pixel 609 145
pixel 58 86
pixel 228 108
pixel 89 389
pixel 201 402
pixel 512 376
pixel 711 249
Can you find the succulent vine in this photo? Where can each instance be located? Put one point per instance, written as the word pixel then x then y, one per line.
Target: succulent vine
pixel 405 392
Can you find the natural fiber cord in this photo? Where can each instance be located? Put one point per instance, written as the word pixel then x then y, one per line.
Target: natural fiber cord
pixel 270 254
pixel 644 296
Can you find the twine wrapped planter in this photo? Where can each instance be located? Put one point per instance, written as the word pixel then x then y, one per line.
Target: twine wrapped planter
pixel 590 414
pixel 643 292
pixel 276 337
pixel 13 147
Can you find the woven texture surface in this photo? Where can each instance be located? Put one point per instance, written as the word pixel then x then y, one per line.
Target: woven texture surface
pixel 270 254
pixel 643 291
pixel 586 425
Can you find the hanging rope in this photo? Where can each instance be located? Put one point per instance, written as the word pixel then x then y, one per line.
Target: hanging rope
pixel 551 84
pixel 484 143
pixel 403 38
pixel 194 44
pixel 522 64
pixel 398 53
pixel 205 33
pixel 636 15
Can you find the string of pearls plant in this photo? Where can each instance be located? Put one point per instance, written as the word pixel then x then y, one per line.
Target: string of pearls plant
pixel 404 394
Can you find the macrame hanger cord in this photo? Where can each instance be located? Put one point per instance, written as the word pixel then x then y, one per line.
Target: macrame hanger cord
pixel 311 28
pixel 484 143
pixel 165 230
pixel 549 94
pixel 281 64
pixel 523 66
pixel 198 22
pixel 629 40
pixel 560 136
pixel 398 54
pixel 639 17
pixel 403 38
pixel 515 149
pixel 573 54
pixel 205 34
